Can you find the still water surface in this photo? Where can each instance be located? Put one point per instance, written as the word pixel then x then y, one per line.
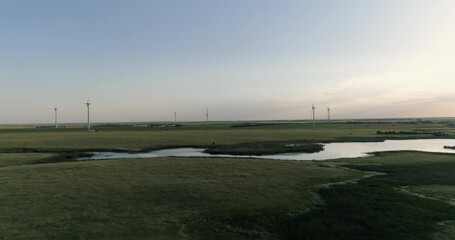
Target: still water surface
pixel 331 150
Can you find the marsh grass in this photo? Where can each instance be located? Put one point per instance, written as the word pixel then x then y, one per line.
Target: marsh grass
pixel 124 138
pixel 43 195
pixel 167 198
pixel 14 159
pixel 266 148
pixel 375 208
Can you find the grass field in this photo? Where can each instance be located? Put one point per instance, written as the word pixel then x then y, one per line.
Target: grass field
pixel 164 198
pixel 14 159
pixel 136 139
pixel 43 196
pixel 377 208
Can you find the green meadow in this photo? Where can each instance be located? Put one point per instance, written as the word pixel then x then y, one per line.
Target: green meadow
pixel 45 193
pixel 123 138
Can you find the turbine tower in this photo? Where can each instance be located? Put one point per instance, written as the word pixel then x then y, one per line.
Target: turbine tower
pixel 313 108
pixel 55 115
pixel 175 118
pixel 328 114
pixel 88 114
pixel 207 115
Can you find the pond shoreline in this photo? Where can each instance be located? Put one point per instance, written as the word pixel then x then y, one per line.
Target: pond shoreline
pixel 330 151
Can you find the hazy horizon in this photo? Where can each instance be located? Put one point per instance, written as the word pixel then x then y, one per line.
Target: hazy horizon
pixel 141 61
pixel 202 122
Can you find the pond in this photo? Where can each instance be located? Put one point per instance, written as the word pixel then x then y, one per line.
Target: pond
pixel 331 150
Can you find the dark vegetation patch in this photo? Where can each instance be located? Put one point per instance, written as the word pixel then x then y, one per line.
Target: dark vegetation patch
pixel 411 174
pixel 246 125
pixel 372 208
pixel 81 150
pixel 385 137
pixel 390 121
pixel 369 210
pixel 266 148
pixel 377 139
pixel 435 133
pixel 222 225
pixel 63 157
pixel 45 150
pixel 359 139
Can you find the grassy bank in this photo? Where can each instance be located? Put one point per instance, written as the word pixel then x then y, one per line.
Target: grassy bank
pixel 169 198
pixel 377 208
pixel 266 148
pixel 14 159
pixel 179 198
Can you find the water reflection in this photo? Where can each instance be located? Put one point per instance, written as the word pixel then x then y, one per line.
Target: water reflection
pixel 331 150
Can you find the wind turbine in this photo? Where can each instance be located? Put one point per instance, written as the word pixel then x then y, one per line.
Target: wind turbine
pixel 207 115
pixel 55 115
pixel 88 113
pixel 328 114
pixel 175 118
pixel 312 110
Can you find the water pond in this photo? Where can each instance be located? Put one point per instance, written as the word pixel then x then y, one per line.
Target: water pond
pixel 331 150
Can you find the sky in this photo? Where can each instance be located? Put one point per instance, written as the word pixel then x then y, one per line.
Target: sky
pixel 143 60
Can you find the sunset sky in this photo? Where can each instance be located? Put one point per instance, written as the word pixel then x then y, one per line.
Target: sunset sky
pixel 244 59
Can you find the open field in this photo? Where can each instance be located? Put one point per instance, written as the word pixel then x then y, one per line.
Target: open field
pixel 137 139
pixel 43 196
pixel 378 208
pixel 14 159
pixel 164 198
